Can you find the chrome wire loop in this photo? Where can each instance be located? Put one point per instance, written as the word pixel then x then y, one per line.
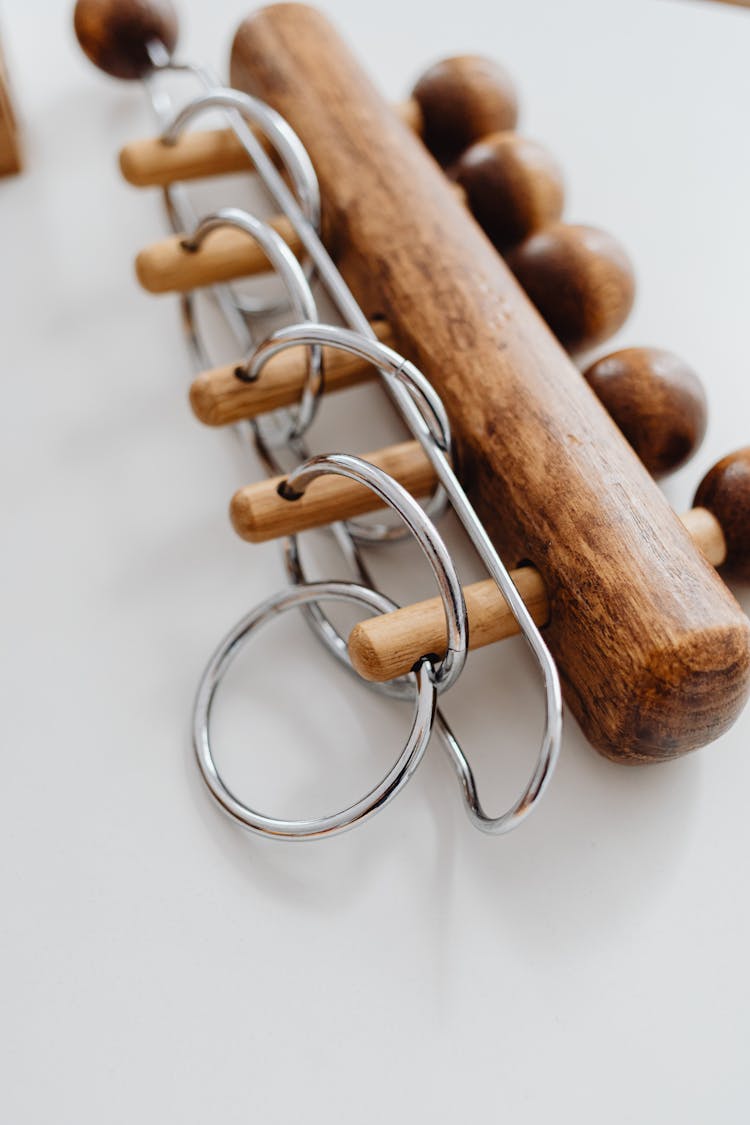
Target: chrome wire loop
pixel 423 413
pixel 287 145
pixel 296 285
pixel 394 370
pixel 421 527
pixel 380 795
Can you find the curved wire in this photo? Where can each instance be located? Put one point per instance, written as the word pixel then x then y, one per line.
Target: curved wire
pixel 290 271
pixel 392 368
pixel 381 794
pixel 285 142
pixel 421 527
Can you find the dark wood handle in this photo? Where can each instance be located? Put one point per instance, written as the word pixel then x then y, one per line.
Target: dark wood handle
pixel 653 650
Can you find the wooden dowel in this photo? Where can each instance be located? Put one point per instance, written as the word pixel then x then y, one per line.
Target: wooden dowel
pixel 218 397
pixel 384 647
pixel 259 513
pixel 226 253
pixel 207 152
pixel 196 154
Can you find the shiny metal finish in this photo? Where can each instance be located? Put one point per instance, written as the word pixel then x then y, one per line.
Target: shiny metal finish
pixel 393 369
pixel 353 316
pixel 296 285
pixel 424 415
pixel 423 530
pixel 377 797
pixel 293 155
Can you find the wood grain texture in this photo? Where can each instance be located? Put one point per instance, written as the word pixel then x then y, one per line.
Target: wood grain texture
pixel 653 651
pixel 218 397
pixel 513 186
pixel 579 278
pixel 725 491
pixel 226 253
pixel 115 34
pixel 260 513
pixel 389 645
pixel 658 402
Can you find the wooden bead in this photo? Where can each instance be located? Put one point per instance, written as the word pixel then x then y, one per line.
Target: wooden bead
pixel 513 187
pixel 580 279
pixel 115 34
pixel 725 492
pixel 658 402
pixel 462 100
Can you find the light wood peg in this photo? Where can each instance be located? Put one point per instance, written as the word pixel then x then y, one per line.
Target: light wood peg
pixel 389 645
pixel 219 397
pixel 170 266
pixel 200 153
pixel 455 103
pixel 260 513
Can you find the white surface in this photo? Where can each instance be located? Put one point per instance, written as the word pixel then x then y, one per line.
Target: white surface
pixel 157 964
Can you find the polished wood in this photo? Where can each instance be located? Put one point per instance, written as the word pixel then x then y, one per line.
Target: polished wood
pixel 170 266
pixel 461 100
pixel 725 491
pixel 11 160
pixel 115 34
pixel 389 645
pixel 580 279
pixel 513 187
pixel 658 402
pixel 219 397
pixel 260 513
pixel 648 671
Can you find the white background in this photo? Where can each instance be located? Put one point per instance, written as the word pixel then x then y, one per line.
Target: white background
pixel 157 964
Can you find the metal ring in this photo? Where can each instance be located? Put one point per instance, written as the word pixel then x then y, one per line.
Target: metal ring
pixel 382 793
pixel 293 154
pixel 316 617
pixel 424 531
pixel 393 368
pixel 290 271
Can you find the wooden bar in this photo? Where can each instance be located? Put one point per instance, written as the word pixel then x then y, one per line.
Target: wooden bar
pixel 654 652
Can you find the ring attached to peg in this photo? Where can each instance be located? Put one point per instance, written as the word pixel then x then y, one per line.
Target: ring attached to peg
pixel 372 801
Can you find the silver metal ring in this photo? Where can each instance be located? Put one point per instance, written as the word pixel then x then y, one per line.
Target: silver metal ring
pixel 393 368
pixel 381 794
pixel 424 531
pixel 290 271
pixel 244 110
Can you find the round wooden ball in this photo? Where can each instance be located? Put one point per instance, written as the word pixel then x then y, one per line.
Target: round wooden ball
pixel 658 402
pixel 462 100
pixel 725 491
pixel 115 34
pixel 513 187
pixel 579 278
